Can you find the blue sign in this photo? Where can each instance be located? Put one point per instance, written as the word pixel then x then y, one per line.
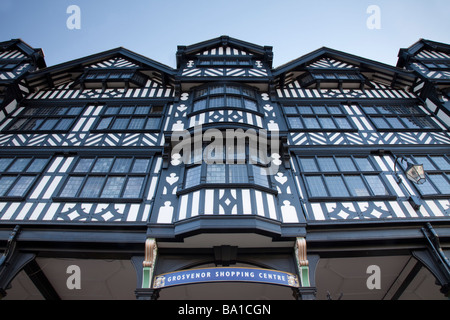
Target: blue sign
pixel 225 275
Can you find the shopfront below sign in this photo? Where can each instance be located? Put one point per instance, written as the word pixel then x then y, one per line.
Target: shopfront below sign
pixel 194 276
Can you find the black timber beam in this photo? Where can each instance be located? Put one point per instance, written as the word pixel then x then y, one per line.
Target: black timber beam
pixel 39 279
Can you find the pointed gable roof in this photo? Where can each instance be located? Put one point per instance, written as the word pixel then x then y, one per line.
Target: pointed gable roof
pixel 18 49
pixel 326 58
pixel 118 58
pixel 224 46
pixel 423 49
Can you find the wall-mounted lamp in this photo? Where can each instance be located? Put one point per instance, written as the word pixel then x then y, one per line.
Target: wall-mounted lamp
pixel 414 173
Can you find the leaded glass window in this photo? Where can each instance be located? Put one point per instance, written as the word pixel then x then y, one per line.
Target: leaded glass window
pixel 17 175
pixel 46 118
pixel 106 178
pixel 130 118
pixel 317 118
pixel 343 177
pixel 437 170
pixel 397 117
pixel 225 96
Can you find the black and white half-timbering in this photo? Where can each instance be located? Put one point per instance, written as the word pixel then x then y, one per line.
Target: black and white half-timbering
pixel 224 177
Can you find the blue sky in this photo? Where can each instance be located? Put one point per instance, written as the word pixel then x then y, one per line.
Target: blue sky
pixel 154 28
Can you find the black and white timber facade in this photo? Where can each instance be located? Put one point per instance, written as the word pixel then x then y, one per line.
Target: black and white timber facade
pixel 90 176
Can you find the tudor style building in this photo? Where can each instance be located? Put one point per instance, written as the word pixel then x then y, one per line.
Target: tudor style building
pixel 119 179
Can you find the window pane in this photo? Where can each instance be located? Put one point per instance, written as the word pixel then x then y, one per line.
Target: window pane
pixel 233 89
pixel 260 176
pixel 112 110
pixel 215 173
pixel 305 110
pixel 120 123
pixel 200 105
pixel 152 124
pixel 33 124
pixel 295 123
pixel 157 109
pixel 19 125
pixel 5 184
pixel 248 92
pixel 122 165
pixel 320 110
pixel 380 123
pixel 346 164
pixel 334 110
pixel 133 188
pixel 217 89
pixel 426 188
pixel 84 165
pixel 127 110
pixel 327 123
pixel 290 110
pixel 364 164
pixel 64 124
pixel 249 104
pixel 311 123
pixel 142 110
pixel 217 102
pixel 396 123
pixel 377 186
pixel 103 165
pixel 21 187
pixel 140 166
pixel 336 186
pixel 104 123
pixel 238 173
pixel 427 164
pixel 19 165
pixel 343 123
pixel 37 165
pixel 92 187
pixel 309 165
pixel 113 187
pixel 4 163
pixel 126 75
pixel 193 176
pixel 136 123
pixel 234 102
pixel 74 111
pixel 115 75
pixel 101 75
pixel 420 122
pixel 48 124
pixel 316 186
pixel 384 110
pixel 440 182
pixel 356 186
pixel 441 162
pixel 61 110
pixel 327 165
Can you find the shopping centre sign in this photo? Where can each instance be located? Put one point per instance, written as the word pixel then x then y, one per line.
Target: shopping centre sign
pixel 194 276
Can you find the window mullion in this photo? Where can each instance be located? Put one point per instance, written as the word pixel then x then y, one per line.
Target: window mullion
pixel 368 188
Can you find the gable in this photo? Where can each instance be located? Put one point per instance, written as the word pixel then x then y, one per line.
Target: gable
pixel 116 62
pixel 330 63
pixel 114 65
pixel 224 51
pixel 432 54
pixel 12 54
